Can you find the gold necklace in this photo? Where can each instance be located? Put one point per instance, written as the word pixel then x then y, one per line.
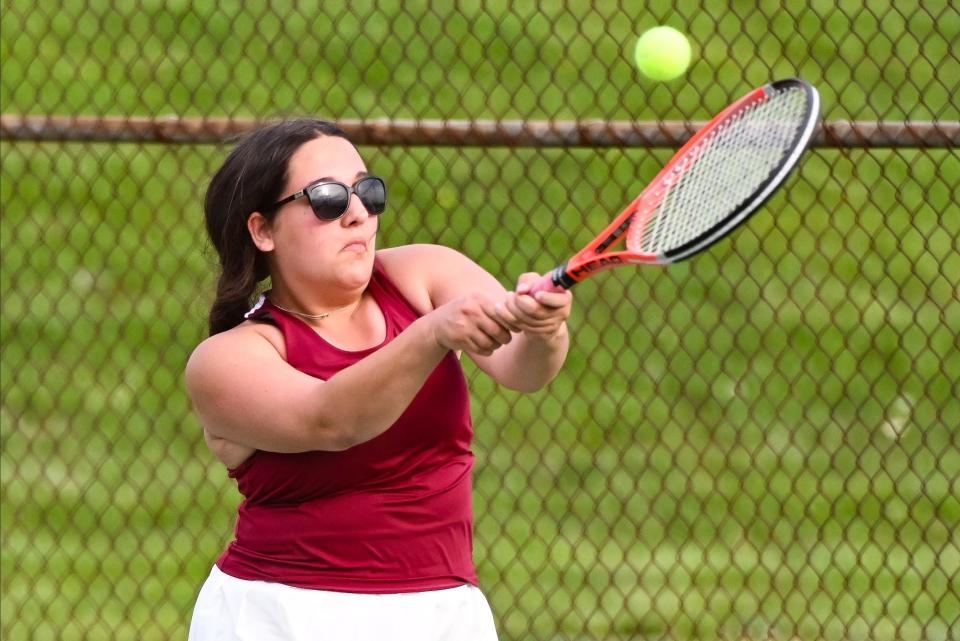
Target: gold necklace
pixel 319 316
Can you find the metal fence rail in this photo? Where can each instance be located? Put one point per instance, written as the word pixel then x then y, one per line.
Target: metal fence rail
pixel 760 443
pixel 462 133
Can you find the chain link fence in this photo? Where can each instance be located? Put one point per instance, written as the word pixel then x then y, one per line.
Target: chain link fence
pixel 760 443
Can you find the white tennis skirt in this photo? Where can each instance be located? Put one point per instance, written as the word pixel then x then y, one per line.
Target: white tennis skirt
pixel 231 609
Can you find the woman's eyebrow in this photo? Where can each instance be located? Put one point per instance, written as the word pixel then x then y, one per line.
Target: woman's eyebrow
pixel 357 176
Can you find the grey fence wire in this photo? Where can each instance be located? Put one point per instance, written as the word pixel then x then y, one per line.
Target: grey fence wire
pixel 760 443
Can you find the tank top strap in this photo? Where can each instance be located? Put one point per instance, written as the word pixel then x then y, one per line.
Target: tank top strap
pixel 391 300
pixel 259 311
pixel 300 339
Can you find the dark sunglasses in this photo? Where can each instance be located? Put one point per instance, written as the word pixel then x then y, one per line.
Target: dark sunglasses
pixel 329 199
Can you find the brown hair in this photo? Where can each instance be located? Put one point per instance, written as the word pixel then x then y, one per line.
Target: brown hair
pixel 250 179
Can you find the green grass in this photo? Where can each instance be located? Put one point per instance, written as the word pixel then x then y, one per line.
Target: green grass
pixel 758 443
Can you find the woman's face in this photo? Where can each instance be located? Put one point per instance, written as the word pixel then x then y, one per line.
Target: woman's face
pixel 320 252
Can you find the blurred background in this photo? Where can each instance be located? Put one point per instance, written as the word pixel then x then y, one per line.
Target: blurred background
pixel 759 443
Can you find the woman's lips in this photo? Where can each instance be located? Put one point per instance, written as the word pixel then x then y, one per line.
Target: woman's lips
pixel 357 246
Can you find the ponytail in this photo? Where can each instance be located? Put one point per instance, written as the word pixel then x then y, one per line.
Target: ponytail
pixel 235 290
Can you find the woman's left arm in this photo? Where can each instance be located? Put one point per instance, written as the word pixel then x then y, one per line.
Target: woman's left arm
pixel 437 275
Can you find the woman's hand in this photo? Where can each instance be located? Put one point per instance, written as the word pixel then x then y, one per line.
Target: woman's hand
pixel 471 324
pixel 543 314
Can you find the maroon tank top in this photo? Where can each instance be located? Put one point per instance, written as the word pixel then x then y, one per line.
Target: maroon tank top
pixel 393 514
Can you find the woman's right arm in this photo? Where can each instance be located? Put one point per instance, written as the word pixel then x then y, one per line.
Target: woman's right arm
pixel 246 393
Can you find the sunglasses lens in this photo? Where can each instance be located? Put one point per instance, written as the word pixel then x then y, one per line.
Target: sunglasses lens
pixel 373 194
pixel 329 200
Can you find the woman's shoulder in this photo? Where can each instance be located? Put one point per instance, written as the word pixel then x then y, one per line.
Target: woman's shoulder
pixel 432 275
pixel 415 269
pixel 421 262
pixel 247 337
pixel 238 354
pixel 417 254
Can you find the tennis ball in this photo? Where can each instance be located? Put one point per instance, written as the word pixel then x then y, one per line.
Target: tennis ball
pixel 662 53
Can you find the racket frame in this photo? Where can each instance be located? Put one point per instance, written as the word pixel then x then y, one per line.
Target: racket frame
pixel 597 255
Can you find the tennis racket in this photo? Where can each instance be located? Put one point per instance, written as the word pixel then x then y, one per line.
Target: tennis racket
pixel 721 176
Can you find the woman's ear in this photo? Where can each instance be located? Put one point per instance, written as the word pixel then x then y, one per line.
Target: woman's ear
pixel 261 231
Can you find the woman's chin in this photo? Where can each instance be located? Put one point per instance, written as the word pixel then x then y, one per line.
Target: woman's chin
pixel 356 271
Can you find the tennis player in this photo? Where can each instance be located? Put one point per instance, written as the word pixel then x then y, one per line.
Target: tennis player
pixel 338 403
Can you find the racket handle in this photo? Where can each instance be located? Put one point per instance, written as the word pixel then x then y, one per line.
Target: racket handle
pixel 551 282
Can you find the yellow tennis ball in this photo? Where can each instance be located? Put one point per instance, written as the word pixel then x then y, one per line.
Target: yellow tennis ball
pixel 662 53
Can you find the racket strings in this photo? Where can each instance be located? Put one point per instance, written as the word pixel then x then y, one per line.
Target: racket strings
pixel 716 176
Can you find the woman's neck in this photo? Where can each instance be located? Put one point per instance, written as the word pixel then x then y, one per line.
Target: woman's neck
pixel 314 305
